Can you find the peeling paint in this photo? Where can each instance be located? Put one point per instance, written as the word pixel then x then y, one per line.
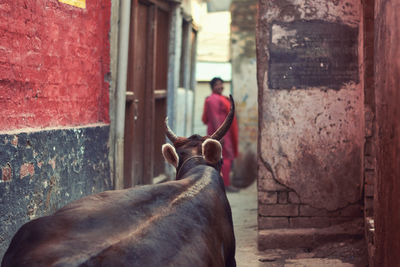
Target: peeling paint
pixel 15 141
pixel 52 163
pixel 6 173
pixel 280 33
pixel 27 169
pixel 40 175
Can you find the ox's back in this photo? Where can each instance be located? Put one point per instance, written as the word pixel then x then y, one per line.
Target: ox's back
pixel 178 223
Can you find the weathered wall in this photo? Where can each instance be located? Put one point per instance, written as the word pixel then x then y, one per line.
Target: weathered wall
pixel 44 170
pixel 311 126
pixel 244 84
pixel 387 82
pixel 54 122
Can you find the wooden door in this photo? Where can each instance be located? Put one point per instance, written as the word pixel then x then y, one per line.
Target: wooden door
pixel 146 91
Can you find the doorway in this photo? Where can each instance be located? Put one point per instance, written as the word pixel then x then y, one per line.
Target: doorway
pixel 146 95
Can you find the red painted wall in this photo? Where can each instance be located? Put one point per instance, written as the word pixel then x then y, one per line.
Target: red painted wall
pixel 54 63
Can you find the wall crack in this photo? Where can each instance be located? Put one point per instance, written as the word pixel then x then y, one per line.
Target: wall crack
pixel 269 168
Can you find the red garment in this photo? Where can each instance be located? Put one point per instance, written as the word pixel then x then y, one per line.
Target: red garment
pixel 225 171
pixel 216 108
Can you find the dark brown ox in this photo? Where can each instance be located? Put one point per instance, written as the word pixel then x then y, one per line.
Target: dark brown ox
pixel 187 222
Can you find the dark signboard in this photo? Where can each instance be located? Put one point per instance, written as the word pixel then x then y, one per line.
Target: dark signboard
pixel 312 54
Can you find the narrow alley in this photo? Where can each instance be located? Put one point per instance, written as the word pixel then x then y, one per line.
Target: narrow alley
pixel 349 253
pixel 87 86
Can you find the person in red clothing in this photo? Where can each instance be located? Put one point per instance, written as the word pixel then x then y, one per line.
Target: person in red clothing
pixel 216 108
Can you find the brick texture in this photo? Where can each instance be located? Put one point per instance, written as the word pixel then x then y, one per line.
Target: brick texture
pixel 272 222
pixel 267 197
pixel 316 222
pixel 293 198
pixel 54 63
pixel 278 210
pixel 283 197
pixel 349 211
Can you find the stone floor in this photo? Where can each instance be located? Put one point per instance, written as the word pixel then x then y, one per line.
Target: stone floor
pixel 348 253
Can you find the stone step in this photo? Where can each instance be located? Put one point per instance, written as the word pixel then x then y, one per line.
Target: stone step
pixel 309 237
pixel 317 262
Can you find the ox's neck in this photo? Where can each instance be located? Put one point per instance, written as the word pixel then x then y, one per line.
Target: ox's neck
pixel 186 165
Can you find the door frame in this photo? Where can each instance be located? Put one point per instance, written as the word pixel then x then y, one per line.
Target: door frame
pixel 120 28
pixel 144 175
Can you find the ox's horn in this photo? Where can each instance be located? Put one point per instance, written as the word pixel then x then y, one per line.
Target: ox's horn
pixel 170 134
pixel 221 131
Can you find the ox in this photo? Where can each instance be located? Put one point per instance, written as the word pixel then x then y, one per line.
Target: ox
pixel 185 222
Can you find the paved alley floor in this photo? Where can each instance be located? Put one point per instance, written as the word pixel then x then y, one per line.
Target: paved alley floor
pixel 244 211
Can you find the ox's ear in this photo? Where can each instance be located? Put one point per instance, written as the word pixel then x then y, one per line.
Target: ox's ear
pixel 170 154
pixel 212 151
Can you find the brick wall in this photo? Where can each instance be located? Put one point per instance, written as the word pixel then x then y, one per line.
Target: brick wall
pixel 281 207
pixel 54 63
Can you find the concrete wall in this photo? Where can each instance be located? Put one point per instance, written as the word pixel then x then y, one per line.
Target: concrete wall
pixel 54 104
pixel 244 81
pixel 387 82
pixel 311 112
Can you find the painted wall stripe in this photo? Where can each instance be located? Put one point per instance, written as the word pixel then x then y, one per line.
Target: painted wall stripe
pixel 77 3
